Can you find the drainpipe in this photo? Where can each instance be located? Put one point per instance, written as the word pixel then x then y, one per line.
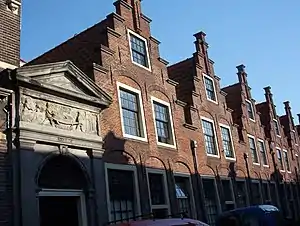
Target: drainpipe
pixel 248 178
pixel 198 191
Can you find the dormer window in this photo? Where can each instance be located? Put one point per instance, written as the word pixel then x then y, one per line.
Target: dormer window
pixel 276 127
pixel 139 50
pixel 210 88
pixel 250 110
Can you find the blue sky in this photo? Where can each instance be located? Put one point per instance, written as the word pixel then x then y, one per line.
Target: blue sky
pixel 262 34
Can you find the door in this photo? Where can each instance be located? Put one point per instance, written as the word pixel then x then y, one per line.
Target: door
pixel 60 210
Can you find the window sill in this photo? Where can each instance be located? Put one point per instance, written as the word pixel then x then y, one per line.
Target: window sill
pixel 267 166
pixel 141 66
pixel 134 138
pixel 213 101
pixel 213 156
pixel 164 145
pixel 252 120
pixel 230 159
pixel 256 164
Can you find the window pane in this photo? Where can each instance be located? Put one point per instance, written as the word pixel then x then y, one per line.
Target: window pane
pixel 209 137
pixel 273 193
pixel 279 158
pixel 210 200
pixel 122 201
pixel 227 144
pixel 263 153
pixel 277 131
pixel 266 193
pixel 138 50
pixel 256 193
pixel 253 150
pixel 241 193
pixel 286 161
pixel 131 113
pixel 209 86
pixel 156 184
pixel 250 109
pixel 163 124
pixel 182 188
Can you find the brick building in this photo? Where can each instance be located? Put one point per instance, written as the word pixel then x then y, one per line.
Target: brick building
pixel 101 122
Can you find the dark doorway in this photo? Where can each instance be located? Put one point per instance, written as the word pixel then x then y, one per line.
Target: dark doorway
pixel 59 210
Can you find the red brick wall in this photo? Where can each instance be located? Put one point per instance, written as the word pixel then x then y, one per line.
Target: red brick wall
pixel 106 44
pixel 9 35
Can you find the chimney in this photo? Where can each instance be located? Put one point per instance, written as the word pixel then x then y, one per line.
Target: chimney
pixel 298 118
pixel 201 47
pixel 269 99
pixel 242 75
pixel 133 7
pixel 289 113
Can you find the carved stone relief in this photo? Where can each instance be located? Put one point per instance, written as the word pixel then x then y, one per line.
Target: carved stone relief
pixel 59 116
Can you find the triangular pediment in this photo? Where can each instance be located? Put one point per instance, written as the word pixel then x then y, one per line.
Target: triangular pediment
pixel 61 81
pixel 63 77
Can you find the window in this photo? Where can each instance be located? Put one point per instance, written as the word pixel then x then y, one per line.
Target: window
pixel 273 193
pixel 210 88
pixel 123 203
pixel 286 160
pixel 295 137
pixel 263 153
pixel 298 162
pixel 209 137
pixel 210 200
pixel 276 126
pixel 241 196
pixel 227 195
pixel 182 189
pixel 279 158
pixel 250 109
pixel 158 194
pixel 227 142
pixel 163 122
pixel 266 193
pixel 256 193
pixel 132 113
pixel 253 150
pixel 139 50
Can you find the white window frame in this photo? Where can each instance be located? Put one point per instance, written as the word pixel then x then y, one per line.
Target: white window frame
pixel 295 135
pixel 143 122
pixel 258 159
pixel 263 142
pixel 82 213
pixel 130 32
pixel 208 77
pixel 283 164
pixel 229 128
pixel 132 168
pixel 154 99
pixel 215 134
pixel 289 171
pixel 164 206
pixel 252 108
pixel 276 121
pixel 192 199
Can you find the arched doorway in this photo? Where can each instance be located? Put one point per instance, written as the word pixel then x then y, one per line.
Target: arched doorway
pixel 62 196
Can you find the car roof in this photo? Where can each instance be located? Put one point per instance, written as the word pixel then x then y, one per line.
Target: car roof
pixel 252 209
